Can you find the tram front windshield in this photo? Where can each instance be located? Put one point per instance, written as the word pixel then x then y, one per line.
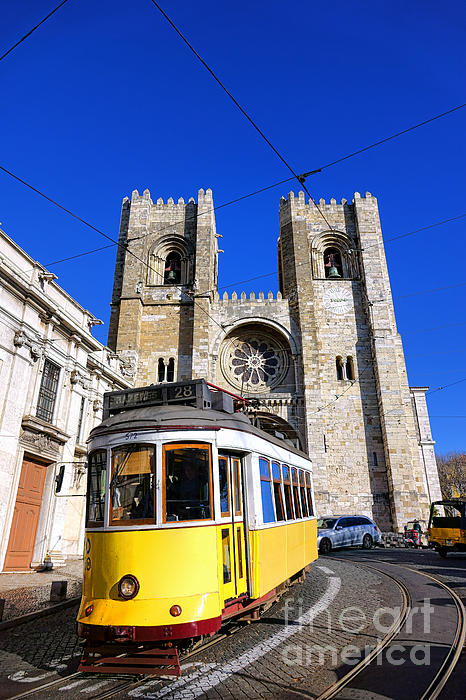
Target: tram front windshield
pixel 187 483
pixel 132 485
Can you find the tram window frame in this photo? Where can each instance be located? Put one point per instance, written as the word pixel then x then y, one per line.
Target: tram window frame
pixel 295 491
pixel 225 513
pixel 287 492
pixel 309 494
pixel 266 493
pixel 236 468
pixel 302 490
pixel 133 448
pixel 103 487
pixel 171 446
pixel 277 493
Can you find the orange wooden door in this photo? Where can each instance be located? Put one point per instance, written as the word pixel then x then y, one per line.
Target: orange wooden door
pixel 25 516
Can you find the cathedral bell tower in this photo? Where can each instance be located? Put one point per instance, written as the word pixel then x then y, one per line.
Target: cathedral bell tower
pixel 165 277
pixel 360 425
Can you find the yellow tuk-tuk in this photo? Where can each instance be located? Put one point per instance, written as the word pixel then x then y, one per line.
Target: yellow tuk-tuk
pixel 447 526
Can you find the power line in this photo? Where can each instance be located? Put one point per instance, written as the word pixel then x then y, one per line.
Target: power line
pixel 301 178
pixel 433 328
pixel 426 291
pixel 120 245
pixel 80 255
pixel 447 386
pixel 394 136
pixel 32 30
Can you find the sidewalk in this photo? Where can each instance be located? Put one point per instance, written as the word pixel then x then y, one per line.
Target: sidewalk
pixel 29 591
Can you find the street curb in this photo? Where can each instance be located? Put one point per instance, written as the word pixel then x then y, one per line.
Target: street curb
pixel 15 621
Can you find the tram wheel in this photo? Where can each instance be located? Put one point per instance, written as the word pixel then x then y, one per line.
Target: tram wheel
pixel 367 542
pixel 325 546
pixel 443 552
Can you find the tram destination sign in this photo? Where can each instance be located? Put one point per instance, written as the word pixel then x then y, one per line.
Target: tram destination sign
pixel 194 393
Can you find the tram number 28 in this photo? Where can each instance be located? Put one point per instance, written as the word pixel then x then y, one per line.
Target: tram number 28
pixel 181 392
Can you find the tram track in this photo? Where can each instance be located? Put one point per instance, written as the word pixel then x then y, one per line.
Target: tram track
pixel 128 683
pixel 432 689
pixel 438 682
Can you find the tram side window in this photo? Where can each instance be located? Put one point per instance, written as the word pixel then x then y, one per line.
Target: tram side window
pixel 294 480
pixel 266 491
pixel 97 476
pixel 277 491
pixel 224 486
pixel 188 483
pixel 302 490
pixel 132 490
pixel 287 490
pixel 309 493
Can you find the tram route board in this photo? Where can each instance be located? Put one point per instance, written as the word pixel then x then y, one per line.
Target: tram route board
pixel 193 393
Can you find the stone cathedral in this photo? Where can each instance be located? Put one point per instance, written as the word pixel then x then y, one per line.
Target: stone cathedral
pixel 323 358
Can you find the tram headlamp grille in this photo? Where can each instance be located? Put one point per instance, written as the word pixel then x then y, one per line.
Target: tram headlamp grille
pixel 128 587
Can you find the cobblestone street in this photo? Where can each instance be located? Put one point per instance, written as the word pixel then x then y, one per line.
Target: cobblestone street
pixel 271 658
pixel 297 649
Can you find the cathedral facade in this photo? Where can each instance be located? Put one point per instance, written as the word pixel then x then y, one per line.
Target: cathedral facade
pixel 322 361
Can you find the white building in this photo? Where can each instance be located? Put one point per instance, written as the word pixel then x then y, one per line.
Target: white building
pixel 53 374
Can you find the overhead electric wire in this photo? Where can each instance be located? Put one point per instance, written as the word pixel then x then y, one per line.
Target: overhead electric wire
pixel 80 255
pixel 31 31
pixel 393 136
pixel 447 386
pixel 300 178
pixel 97 230
pixel 388 240
pixel 191 296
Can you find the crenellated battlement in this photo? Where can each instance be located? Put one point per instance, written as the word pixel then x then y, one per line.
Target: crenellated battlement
pixel 203 196
pixel 243 298
pixel 332 205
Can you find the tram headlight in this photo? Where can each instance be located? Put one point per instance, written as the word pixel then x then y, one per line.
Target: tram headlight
pixel 128 587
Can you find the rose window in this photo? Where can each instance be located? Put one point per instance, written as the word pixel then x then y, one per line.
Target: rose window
pixel 254 363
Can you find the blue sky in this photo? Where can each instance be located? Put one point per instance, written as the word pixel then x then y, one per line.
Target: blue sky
pixel 104 98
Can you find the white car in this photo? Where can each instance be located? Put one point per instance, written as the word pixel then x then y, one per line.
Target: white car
pixel 346 531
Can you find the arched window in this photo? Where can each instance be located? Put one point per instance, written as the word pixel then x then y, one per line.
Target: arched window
pixel 339 364
pixel 349 368
pixel 161 370
pixel 332 263
pixel 172 272
pixel 171 370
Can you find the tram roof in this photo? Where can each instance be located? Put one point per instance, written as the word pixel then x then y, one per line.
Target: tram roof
pixel 186 417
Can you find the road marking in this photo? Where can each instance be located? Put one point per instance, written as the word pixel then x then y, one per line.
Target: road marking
pixel 91 688
pixel 326 570
pixel 20 677
pixel 74 684
pixel 211 675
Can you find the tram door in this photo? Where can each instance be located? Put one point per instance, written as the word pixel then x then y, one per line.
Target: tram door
pixel 233 555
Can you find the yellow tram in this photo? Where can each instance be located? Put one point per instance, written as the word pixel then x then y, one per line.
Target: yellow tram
pixel 194 517
pixel 447 526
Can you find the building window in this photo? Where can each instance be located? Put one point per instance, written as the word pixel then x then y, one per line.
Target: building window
pixel 349 368
pixel 48 391
pixel 374 459
pixel 339 365
pixel 332 263
pixel 172 273
pixel 171 370
pixel 161 370
pixel 81 420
